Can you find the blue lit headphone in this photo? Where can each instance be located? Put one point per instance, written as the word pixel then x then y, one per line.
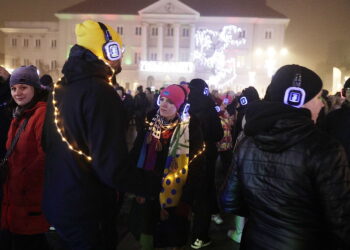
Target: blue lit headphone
pixel 295 95
pixel 111 49
pixel 206 91
pixel 225 101
pixel 243 100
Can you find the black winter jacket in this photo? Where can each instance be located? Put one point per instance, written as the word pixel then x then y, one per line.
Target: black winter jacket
pixel 91 111
pixel 338 125
pixel 291 181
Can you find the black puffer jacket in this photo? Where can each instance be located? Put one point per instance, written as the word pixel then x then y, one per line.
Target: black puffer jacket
pixel 291 181
pixel 92 117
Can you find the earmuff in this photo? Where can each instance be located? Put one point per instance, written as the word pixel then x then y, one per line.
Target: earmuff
pixel 243 100
pixel 111 49
pixel 295 95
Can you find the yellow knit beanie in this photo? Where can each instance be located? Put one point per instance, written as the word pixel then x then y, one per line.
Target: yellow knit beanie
pixel 90 36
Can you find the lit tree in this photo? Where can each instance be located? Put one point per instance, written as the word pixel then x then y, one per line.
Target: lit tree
pixel 211 54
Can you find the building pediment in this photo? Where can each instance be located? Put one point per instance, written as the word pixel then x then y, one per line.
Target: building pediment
pixel 168 8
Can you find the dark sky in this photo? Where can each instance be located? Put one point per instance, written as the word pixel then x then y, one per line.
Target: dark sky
pixel 318 34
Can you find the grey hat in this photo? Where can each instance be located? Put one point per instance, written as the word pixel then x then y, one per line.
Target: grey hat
pixel 25 75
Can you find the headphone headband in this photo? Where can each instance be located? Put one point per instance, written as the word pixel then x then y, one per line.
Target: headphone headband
pixel 106 33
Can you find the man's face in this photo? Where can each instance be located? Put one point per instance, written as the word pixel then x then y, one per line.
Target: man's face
pixel 116 65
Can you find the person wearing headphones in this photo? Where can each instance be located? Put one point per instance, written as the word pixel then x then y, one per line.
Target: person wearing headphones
pixel 84 141
pixel 172 147
pixel 289 179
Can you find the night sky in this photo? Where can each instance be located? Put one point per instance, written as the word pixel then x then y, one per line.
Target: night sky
pixel 318 35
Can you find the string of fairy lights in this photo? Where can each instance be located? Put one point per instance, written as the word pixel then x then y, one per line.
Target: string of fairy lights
pixel 77 150
pixel 57 120
pixel 173 125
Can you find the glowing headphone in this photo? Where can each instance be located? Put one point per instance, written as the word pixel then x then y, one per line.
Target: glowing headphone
pixel 295 95
pixel 225 101
pixel 206 91
pixel 111 49
pixel 243 100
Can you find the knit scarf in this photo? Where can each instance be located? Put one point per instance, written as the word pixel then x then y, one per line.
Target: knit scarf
pixel 176 165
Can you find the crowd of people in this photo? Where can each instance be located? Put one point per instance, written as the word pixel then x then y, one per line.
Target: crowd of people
pixel 66 166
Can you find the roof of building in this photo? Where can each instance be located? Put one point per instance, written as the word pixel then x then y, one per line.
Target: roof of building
pixel 229 8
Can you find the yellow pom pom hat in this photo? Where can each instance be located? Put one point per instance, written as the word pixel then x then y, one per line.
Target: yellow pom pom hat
pixel 91 36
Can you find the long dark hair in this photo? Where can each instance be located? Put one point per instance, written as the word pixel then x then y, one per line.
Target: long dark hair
pixel 18 111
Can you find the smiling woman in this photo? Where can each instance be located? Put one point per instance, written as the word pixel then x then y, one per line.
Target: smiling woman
pixel 22 222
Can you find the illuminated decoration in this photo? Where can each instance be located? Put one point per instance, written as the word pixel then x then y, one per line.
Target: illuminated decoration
pixel 211 54
pixel 270 56
pixel 57 120
pixel 166 67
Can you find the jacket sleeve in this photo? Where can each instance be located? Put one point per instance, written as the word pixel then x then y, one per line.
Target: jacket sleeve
pixel 332 181
pixel 231 195
pixel 196 175
pixel 103 113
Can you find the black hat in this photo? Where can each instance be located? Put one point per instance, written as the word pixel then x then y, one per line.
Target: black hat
pixel 347 84
pixel 46 80
pixel 248 95
pixel 293 85
pixel 199 86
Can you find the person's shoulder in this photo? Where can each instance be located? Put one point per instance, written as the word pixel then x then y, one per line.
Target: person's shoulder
pixel 322 142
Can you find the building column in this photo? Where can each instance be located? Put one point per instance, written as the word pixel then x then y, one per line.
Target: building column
pixel 192 41
pixel 144 45
pixel 160 42
pixel 176 41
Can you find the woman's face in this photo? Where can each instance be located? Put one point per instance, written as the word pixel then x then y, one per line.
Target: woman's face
pixel 22 94
pixel 167 109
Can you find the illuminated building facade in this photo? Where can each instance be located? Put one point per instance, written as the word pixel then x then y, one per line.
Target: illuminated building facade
pixel 160 39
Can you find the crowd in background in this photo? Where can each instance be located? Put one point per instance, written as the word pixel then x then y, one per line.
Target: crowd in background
pixel 67 168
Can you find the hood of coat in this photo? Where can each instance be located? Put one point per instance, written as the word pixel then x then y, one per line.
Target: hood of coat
pixel 83 64
pixel 276 127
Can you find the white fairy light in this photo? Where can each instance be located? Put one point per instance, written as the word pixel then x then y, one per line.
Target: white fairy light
pixel 211 53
